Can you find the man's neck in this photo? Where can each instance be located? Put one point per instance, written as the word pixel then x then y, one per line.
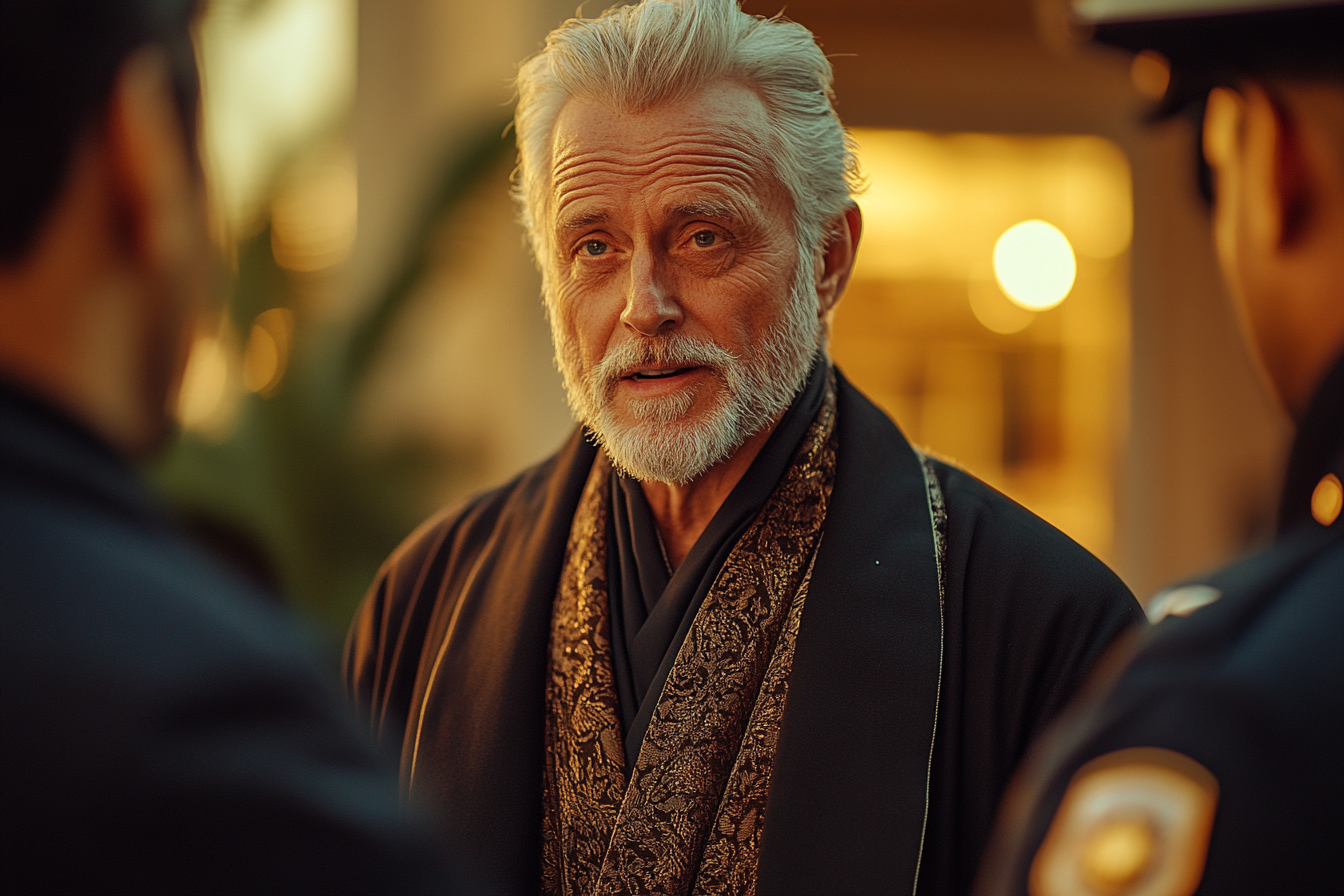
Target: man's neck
pixel 683 511
pixel 74 314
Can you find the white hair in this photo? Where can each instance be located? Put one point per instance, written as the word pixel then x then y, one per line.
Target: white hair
pixel 636 57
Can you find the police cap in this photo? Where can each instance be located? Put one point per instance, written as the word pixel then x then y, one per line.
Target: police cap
pixel 1212 42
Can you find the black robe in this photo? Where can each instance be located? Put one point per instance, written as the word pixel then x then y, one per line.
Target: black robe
pixel 447 658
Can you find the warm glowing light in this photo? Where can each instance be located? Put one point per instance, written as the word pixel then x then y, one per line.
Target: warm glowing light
pixel 1034 264
pixel 993 309
pixel 204 384
pixel 261 359
pixel 1327 500
pixel 274 74
pixel 1150 73
pixel 935 203
pixel 267 353
pixel 313 217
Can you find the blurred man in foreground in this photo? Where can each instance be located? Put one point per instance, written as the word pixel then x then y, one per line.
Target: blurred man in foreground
pixel 738 635
pixel 1212 761
pixel 164 729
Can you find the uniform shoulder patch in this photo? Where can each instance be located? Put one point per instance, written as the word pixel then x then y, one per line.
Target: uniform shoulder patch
pixel 1134 822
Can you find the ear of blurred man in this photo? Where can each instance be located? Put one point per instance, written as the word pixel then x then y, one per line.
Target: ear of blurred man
pixel 1277 155
pixel 98 314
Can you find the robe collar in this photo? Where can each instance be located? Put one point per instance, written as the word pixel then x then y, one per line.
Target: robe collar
pixel 850 789
pixel 652 609
pixel 850 792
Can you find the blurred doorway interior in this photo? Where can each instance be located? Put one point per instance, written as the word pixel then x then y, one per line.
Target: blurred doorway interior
pixel 989 311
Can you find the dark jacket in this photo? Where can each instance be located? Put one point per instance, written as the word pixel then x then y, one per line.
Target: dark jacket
pixel 164 727
pixel 1250 686
pixel 908 706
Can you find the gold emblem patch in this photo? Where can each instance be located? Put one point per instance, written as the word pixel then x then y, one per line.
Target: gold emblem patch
pixel 1132 823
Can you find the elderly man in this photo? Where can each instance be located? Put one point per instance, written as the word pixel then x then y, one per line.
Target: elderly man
pixel 738 634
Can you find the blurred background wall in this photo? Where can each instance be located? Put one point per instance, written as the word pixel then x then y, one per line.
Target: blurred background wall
pixel 383 350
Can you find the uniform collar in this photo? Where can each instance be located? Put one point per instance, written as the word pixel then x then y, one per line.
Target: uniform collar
pixel 46 448
pixel 1317 451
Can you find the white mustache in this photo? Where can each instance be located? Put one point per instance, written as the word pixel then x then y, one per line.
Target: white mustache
pixel 676 350
pixel 657 439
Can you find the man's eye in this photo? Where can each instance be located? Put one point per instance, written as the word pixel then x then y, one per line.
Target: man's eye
pixel 594 247
pixel 705 238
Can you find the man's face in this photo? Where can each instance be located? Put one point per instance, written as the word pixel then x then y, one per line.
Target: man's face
pixel 683 319
pixel 1276 170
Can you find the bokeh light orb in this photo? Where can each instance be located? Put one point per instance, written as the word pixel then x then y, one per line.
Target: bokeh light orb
pixel 1034 264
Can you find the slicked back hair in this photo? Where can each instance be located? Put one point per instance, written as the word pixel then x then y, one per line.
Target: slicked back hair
pixel 636 57
pixel 58 61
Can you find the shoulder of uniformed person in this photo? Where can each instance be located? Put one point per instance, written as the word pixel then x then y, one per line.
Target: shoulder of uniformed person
pixel 1138 821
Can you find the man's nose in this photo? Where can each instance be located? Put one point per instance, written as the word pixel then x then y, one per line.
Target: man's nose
pixel 651 306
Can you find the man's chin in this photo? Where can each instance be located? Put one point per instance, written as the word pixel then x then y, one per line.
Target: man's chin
pixel 675 418
pixel 682 400
pixel 675 452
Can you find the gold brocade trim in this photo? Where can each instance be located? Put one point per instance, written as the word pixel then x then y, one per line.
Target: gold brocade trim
pixel 729 861
pixel 690 821
pixel 584 772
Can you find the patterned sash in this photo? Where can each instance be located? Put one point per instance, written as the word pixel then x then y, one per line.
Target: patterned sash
pixel 690 820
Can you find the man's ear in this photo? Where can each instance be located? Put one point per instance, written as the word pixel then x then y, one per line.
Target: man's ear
pixel 1224 150
pixel 151 171
pixel 836 261
pixel 1277 193
pixel 1224 122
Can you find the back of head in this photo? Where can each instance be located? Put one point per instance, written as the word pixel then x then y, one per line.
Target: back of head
pixel 1215 43
pixel 636 57
pixel 58 60
pixel 1264 82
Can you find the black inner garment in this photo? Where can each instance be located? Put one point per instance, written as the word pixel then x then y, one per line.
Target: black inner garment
pixel 651 606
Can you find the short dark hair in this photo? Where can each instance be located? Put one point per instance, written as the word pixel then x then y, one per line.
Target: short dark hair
pixel 58 60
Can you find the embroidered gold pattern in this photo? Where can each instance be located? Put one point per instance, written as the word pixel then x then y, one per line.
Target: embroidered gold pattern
pixel 729 861
pixel 691 819
pixel 584 773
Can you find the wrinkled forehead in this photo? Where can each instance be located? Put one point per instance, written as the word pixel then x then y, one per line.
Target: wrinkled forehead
pixel 716 140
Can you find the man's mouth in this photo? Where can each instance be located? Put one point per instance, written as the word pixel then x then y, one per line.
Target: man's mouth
pixel 640 375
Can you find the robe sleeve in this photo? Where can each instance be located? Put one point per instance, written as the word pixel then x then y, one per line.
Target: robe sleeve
pixel 385 647
pixel 1028 614
pixel 384 622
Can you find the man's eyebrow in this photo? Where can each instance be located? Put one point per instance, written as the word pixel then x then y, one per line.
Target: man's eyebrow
pixel 581 220
pixel 705 208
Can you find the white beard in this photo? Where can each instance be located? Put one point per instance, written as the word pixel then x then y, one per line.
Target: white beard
pixel 663 443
